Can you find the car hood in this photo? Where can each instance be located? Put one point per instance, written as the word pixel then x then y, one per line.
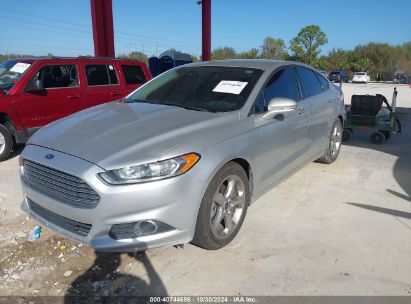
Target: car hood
pixel 118 134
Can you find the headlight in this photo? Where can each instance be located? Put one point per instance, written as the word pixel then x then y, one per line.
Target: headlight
pixel 151 171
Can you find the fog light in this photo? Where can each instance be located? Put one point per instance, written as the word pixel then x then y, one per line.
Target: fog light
pixel 145 228
pixel 138 229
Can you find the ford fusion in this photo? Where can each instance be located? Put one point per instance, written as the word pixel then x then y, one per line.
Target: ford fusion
pixel 181 158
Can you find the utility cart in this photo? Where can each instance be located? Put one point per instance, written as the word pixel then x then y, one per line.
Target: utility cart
pixel 367 112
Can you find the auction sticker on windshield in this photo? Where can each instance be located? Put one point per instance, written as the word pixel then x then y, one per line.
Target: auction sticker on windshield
pixel 229 86
pixel 20 67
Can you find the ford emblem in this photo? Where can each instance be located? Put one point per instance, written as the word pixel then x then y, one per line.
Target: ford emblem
pixel 49 156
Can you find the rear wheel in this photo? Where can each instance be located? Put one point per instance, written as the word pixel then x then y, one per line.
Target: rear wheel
pixel 6 143
pixel 334 144
pixel 223 208
pixel 377 138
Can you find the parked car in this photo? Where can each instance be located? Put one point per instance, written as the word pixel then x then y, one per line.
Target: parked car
pixel 324 73
pixel 182 157
pixel 361 77
pixel 400 77
pixel 339 76
pixel 37 91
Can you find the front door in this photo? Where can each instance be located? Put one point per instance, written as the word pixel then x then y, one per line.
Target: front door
pixel 62 96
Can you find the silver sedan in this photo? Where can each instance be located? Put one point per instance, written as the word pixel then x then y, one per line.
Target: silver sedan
pixel 181 158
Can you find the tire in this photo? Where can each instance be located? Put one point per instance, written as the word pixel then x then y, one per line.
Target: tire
pixel 6 143
pixel 387 134
pixel 334 144
pixel 346 135
pixel 377 138
pixel 212 232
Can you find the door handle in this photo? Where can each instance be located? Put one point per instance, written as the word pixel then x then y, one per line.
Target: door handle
pixel 73 96
pixel 115 94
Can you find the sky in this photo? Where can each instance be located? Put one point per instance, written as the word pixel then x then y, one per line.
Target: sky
pixel 63 28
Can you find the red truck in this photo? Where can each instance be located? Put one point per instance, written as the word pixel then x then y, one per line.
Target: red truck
pixel 37 91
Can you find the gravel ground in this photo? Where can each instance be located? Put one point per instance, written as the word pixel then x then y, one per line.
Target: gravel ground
pixel 340 229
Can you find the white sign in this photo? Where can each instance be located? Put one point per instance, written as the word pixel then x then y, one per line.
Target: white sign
pixel 229 86
pixel 20 67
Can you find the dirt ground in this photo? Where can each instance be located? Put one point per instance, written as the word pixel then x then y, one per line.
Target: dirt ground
pixel 340 229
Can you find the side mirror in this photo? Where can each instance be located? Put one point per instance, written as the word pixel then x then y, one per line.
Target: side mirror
pixel 34 86
pixel 279 105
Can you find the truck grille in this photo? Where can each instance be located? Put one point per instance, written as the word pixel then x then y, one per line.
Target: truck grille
pixel 64 187
pixel 78 228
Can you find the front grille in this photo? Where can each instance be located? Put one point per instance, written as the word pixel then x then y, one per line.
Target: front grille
pixel 64 187
pixel 78 228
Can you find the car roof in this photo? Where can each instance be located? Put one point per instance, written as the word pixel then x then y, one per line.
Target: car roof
pixel 34 59
pixel 265 64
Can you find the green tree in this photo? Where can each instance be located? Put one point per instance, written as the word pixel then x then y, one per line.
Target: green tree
pixel 273 48
pixel 306 46
pixel 224 53
pixel 140 56
pixel 251 54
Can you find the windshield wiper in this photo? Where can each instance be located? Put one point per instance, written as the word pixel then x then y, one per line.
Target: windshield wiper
pixel 171 104
pixel 187 107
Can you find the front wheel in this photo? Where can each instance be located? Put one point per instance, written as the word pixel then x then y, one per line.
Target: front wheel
pixel 6 143
pixel 333 145
pixel 223 208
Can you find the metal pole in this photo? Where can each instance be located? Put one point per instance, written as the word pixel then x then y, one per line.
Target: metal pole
pixel 103 31
pixel 206 29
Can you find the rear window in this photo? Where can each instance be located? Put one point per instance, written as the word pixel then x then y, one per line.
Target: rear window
pixel 133 74
pixel 309 82
pixel 360 74
pixel 101 74
pixel 324 82
pixel 335 73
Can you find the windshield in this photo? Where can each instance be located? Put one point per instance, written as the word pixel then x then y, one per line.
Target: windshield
pixel 10 72
pixel 360 74
pixel 335 73
pixel 201 88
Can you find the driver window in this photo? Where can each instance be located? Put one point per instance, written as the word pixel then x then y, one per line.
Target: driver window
pixel 282 84
pixel 58 76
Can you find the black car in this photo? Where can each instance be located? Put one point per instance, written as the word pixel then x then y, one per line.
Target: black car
pixel 339 76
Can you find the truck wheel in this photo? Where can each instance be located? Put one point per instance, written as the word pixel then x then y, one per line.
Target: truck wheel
pixel 6 143
pixel 377 138
pixel 346 135
pixel 223 208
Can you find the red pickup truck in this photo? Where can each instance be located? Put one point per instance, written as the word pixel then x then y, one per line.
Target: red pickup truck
pixel 37 91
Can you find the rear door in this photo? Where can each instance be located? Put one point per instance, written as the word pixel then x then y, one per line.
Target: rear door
pixel 102 83
pixel 62 95
pixel 283 140
pixel 318 100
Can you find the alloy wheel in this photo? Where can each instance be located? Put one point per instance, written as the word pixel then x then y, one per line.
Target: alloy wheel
pixel 2 143
pixel 227 206
pixel 335 140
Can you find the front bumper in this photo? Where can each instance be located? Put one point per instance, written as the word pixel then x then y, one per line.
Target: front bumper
pixel 173 201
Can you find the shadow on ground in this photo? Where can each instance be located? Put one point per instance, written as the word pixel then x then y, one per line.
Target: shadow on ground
pixel 104 283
